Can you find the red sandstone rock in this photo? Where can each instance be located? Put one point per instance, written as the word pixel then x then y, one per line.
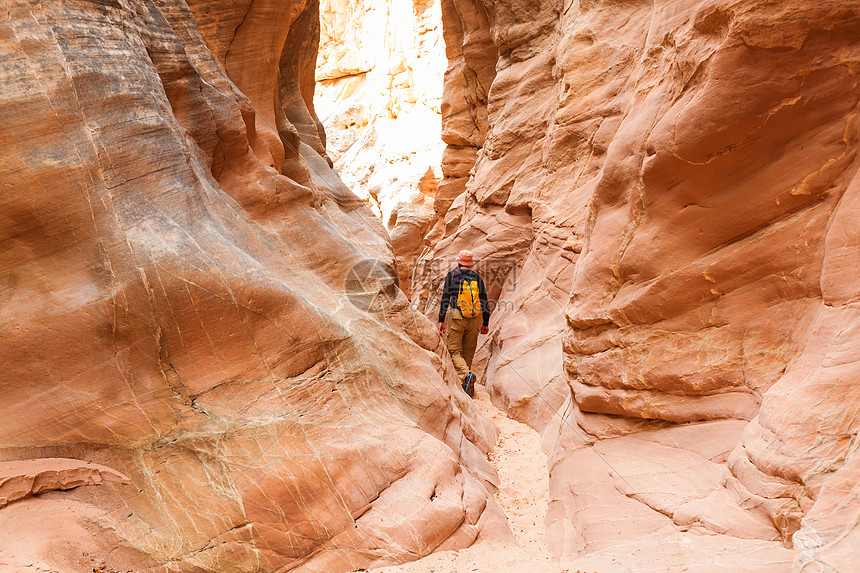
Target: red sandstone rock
pixel 20 479
pixel 670 190
pixel 175 256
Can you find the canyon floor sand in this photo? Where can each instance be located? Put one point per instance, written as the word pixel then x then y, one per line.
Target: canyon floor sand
pixel 523 494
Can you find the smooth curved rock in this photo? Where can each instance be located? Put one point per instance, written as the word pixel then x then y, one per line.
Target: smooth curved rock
pixel 669 190
pixel 187 299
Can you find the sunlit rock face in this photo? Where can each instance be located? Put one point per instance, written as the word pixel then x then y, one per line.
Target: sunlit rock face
pixel 379 96
pixel 669 191
pixel 192 337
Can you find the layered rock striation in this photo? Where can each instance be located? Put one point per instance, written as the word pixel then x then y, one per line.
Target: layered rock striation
pixel 202 334
pixel 667 192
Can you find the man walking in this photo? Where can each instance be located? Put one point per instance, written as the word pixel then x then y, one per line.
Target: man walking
pixel 465 295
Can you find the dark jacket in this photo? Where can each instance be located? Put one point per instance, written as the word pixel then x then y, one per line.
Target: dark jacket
pixel 452 289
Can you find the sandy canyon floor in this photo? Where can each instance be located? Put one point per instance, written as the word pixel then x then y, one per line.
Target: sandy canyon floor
pixel 524 485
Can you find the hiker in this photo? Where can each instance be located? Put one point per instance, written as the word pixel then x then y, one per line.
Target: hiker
pixel 466 296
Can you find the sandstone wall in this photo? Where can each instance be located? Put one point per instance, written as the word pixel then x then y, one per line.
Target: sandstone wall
pixel 379 95
pixel 191 332
pixel 668 191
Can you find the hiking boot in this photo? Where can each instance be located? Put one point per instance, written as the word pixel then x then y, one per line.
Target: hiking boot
pixel 469 384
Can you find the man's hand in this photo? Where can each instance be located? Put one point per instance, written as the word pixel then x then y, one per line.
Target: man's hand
pixel 485 329
pixel 442 329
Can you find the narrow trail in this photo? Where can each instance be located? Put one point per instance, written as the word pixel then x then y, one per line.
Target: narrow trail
pixel 523 495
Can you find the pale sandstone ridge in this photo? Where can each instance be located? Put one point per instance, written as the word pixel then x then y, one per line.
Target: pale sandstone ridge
pixel 471 68
pixel 185 300
pixel 379 96
pixel 670 193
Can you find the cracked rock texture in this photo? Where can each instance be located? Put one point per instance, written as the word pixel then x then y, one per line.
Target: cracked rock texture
pixel 666 198
pixel 178 307
pixel 379 96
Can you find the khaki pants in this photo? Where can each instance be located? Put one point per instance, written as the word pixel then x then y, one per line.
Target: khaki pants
pixel 462 340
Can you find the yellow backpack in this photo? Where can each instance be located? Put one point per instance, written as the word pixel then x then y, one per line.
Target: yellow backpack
pixel 468 300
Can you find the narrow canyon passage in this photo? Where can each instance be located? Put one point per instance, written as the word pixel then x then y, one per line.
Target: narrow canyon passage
pixel 665 195
pixel 523 495
pixel 206 365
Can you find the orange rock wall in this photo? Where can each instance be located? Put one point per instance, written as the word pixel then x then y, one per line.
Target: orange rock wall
pixel 471 68
pixel 177 307
pixel 668 191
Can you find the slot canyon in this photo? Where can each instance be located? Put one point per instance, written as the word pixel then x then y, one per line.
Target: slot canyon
pixel 224 229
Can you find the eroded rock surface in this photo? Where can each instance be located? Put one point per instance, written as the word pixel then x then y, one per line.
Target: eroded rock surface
pixel 178 305
pixel 668 191
pixel 21 479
